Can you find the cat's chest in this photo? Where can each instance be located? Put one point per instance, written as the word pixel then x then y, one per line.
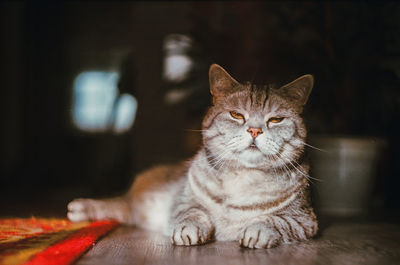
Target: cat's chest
pixel 243 186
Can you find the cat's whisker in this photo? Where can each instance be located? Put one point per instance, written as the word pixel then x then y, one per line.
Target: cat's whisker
pixel 286 168
pixel 216 161
pixel 274 157
pixel 283 166
pixel 227 150
pixel 301 172
pixel 194 130
pixel 282 157
pixel 286 159
pixel 222 161
pixel 316 148
pixel 223 165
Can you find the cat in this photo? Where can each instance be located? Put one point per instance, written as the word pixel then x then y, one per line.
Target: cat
pixel 247 183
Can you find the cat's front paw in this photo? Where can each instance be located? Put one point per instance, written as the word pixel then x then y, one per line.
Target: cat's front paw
pixel 189 234
pixel 259 236
pixel 80 210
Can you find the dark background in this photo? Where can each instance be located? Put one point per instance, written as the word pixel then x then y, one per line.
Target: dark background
pixel 352 49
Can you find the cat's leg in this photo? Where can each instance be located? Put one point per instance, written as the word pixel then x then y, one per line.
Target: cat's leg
pixel 191 225
pixel 92 209
pixel 276 229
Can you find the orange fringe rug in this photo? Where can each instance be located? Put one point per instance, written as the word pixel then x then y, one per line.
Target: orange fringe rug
pixel 47 241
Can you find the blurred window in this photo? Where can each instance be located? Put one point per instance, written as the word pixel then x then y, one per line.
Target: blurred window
pixel 97 105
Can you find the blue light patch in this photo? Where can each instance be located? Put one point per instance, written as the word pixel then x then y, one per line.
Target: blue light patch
pixel 94 97
pixel 125 113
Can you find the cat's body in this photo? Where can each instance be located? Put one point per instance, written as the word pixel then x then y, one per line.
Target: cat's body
pixel 247 182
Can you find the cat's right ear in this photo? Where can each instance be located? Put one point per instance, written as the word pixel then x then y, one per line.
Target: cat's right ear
pixel 298 90
pixel 221 83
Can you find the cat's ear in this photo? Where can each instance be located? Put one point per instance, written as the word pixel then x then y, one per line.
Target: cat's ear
pixel 221 83
pixel 298 90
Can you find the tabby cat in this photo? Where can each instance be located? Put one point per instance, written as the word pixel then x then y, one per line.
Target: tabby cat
pixel 247 183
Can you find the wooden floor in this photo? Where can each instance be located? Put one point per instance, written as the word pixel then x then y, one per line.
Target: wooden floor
pixel 344 242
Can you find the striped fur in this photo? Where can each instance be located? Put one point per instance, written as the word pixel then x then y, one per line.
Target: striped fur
pixel 252 189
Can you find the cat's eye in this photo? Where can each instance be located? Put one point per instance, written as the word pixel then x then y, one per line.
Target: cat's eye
pixel 275 120
pixel 237 115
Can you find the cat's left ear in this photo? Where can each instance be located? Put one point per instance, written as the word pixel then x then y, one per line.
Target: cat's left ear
pixel 221 83
pixel 298 90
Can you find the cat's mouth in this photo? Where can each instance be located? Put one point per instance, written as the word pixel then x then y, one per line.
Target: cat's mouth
pixel 253 146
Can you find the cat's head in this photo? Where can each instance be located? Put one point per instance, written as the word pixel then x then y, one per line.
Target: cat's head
pixel 254 126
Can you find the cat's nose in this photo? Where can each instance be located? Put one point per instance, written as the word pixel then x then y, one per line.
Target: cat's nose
pixel 255 132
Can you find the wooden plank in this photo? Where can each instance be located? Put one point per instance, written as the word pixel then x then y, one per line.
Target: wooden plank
pixel 340 243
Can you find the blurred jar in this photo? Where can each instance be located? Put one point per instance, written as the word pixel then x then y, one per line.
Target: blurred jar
pixel 346 170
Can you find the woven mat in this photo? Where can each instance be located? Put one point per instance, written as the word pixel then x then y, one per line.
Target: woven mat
pixel 47 241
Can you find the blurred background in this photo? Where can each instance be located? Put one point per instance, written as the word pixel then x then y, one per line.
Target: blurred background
pixel 94 92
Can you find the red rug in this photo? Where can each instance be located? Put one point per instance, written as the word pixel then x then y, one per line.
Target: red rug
pixel 47 241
